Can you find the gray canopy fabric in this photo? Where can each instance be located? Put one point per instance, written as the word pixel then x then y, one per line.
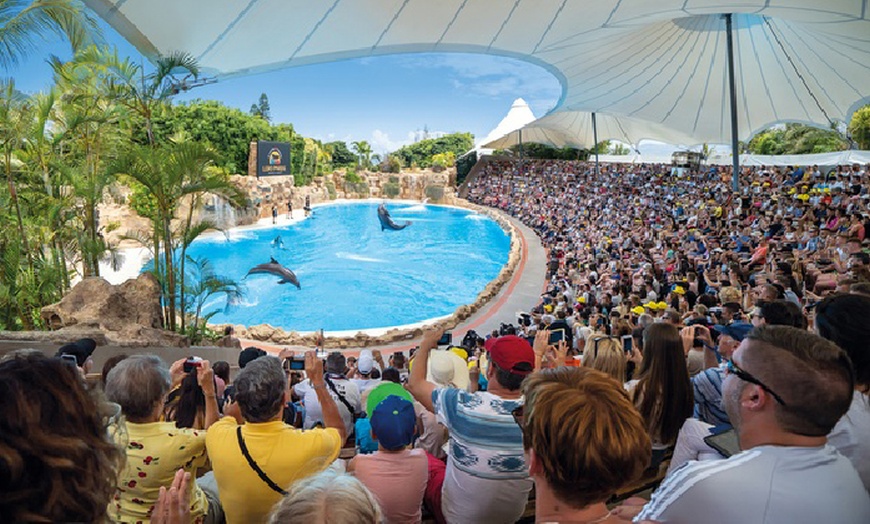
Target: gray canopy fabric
pixel 574 129
pixel 660 61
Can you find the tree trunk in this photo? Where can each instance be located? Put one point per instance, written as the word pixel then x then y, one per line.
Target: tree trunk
pixel 14 195
pixel 168 264
pixel 182 261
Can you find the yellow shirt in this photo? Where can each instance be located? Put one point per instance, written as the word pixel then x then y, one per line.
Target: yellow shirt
pixel 155 451
pixel 283 452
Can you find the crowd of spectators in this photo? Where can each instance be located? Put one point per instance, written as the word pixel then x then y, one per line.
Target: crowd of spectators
pixel 714 342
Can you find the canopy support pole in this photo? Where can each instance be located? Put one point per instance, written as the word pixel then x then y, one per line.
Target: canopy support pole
pixel 735 147
pixel 595 139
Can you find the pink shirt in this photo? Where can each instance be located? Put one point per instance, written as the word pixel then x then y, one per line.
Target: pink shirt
pixel 397 480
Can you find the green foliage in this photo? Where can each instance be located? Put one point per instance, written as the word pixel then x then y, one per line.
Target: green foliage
pixel 619 149
pixel 25 27
pixel 796 139
pixel 434 193
pixel 541 151
pixel 261 108
pixel 330 188
pixel 859 127
pixel 392 164
pixel 421 153
pixel 464 165
pixel 352 177
pixel 391 190
pixel 341 155
pixel 359 188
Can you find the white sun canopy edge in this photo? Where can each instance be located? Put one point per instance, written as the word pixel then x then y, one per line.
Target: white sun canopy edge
pixel 661 61
pixel 575 129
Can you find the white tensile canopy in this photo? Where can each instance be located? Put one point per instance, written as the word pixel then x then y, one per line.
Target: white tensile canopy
pixel 520 114
pixel 661 61
pixel 575 129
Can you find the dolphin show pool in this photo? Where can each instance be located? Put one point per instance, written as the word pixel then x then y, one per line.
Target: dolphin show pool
pixel 352 274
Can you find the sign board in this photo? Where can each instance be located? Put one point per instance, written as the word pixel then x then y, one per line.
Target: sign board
pixel 273 158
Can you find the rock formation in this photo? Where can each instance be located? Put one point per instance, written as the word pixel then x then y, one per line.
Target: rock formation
pixel 126 315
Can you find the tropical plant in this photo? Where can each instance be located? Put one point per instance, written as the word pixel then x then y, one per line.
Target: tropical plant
pixel 421 153
pixel 24 25
pixel 363 152
pixel 859 127
pixel 204 284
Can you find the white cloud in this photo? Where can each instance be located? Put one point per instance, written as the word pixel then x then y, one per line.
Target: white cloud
pixel 382 143
pixel 493 77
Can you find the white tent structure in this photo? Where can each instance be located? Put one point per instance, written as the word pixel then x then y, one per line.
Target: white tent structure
pixel 519 115
pixel 576 129
pixel 717 70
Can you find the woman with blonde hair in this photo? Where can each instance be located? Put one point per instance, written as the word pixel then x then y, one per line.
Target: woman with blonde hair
pixel 606 354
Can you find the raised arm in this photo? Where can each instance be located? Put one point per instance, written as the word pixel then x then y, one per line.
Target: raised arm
pixel 205 378
pixel 331 415
pixel 417 384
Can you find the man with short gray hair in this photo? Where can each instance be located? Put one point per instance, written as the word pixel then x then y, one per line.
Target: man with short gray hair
pixel 256 462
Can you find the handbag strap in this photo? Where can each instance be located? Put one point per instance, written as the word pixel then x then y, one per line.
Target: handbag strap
pixel 340 397
pixel 265 478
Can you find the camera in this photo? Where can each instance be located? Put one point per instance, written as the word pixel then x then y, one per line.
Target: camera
pixel 294 363
pixel 627 343
pixel 191 363
pixel 446 339
pixel 556 336
pixel 69 359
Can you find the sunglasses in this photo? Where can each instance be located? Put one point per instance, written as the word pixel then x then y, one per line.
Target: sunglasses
pixel 732 367
pixel 517 413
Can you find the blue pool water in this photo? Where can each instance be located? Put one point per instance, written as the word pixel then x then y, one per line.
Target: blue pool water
pixel 355 276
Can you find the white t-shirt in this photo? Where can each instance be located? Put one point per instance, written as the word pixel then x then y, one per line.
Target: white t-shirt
pixel 486 478
pixel 851 436
pixel 313 411
pixel 769 484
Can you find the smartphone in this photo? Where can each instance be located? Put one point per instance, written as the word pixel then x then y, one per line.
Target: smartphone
pixel 627 343
pixel 725 443
pixel 191 363
pixel 446 339
pixel 295 363
pixel 556 336
pixel 69 359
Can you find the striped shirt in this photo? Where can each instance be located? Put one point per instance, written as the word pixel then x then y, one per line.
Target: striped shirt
pixel 707 387
pixel 486 478
pixel 766 484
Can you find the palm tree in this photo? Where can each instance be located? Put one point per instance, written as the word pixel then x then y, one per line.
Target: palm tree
pixel 24 25
pixel 363 151
pixel 170 174
pixel 15 117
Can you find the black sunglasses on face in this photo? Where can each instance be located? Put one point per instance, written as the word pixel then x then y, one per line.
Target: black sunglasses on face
pixel 732 367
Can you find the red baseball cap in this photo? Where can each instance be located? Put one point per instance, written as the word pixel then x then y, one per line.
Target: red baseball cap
pixel 510 351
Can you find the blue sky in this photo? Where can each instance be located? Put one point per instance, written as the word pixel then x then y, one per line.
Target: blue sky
pixel 384 100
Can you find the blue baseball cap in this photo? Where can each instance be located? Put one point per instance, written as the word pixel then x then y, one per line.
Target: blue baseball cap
pixel 394 422
pixel 737 330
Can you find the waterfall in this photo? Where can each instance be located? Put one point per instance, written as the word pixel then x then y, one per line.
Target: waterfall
pixel 224 214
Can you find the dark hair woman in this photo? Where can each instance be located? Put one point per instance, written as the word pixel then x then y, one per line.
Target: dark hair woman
pixel 842 319
pixel 662 391
pixel 58 462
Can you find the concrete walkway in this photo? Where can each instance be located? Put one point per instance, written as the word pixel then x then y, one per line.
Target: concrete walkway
pixel 521 293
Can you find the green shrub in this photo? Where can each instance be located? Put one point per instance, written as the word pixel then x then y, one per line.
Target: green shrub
pixel 391 190
pixel 360 188
pixel 352 177
pixel 434 193
pixel 330 188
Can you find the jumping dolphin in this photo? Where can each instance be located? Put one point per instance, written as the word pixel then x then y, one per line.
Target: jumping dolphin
pixel 387 222
pixel 275 268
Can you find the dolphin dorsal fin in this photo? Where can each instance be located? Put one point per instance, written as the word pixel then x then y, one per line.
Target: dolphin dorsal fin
pixel 273 261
